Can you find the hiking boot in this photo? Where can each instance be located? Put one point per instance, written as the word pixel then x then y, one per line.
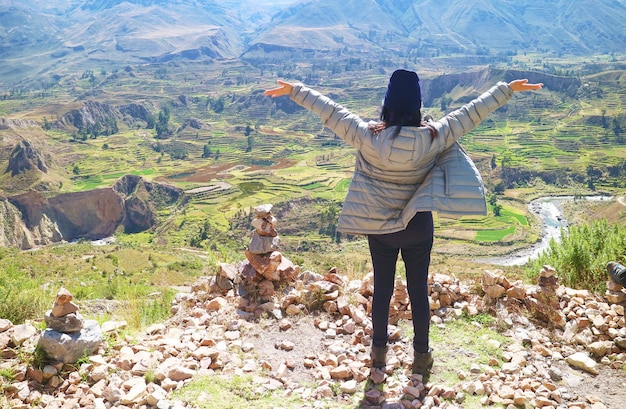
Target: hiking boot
pixel 422 364
pixel 617 272
pixel 379 356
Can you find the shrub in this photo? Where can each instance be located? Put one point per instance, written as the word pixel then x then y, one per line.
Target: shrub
pixel 580 257
pixel 21 297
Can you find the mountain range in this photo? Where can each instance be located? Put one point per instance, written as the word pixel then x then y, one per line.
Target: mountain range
pixel 43 38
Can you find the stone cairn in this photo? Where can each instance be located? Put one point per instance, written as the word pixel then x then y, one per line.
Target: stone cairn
pixel 615 293
pixel 267 268
pixel 547 305
pixel 542 300
pixel 68 337
pixel 259 278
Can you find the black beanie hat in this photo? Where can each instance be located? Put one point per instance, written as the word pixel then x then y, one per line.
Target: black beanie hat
pixel 403 92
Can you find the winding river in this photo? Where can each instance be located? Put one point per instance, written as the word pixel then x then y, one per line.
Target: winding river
pixel 549 211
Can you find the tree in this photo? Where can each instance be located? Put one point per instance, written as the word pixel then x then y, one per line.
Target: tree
pixel 499 188
pixel 162 125
pixel 605 123
pixel 445 101
pixel 506 160
pixel 328 221
pixel 206 151
pixel 493 162
pixel 150 122
pixel 617 128
pixel 217 105
pixel 497 209
pixel 493 201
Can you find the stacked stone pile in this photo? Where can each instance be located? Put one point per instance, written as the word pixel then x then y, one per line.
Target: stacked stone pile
pixel 320 347
pixel 594 327
pixel 615 293
pixel 68 337
pixel 265 269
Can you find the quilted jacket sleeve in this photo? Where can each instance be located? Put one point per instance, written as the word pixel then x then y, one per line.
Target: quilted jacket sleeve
pixel 461 121
pixel 348 126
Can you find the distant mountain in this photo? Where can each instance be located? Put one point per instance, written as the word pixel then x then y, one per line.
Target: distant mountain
pixel 39 37
pixel 450 26
pixel 43 38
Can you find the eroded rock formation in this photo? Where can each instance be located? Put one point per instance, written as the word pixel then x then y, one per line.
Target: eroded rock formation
pixel 31 219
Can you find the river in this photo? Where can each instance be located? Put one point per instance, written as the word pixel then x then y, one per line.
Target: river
pixel 549 211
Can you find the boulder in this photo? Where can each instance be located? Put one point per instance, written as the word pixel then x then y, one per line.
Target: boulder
pixel 69 348
pixel 72 322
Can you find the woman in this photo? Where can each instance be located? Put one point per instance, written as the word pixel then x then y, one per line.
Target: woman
pixel 405 168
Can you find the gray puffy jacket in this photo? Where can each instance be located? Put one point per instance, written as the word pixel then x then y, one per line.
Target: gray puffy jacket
pixel 394 178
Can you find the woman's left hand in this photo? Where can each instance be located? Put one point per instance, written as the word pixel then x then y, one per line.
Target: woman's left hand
pixel 523 85
pixel 284 89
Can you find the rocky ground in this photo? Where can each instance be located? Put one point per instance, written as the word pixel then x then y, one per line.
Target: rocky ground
pixel 310 338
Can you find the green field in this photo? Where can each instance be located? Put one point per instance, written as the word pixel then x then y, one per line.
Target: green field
pixel 270 151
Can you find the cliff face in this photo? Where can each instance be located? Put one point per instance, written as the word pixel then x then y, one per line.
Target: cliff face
pixel 29 220
pixel 485 78
pixel 25 157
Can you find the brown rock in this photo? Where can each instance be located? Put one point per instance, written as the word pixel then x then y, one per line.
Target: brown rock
pixel 333 277
pixel 228 271
pixel 547 271
pixel 340 372
pixel 287 271
pixel 374 396
pixel 35 374
pixel 266 290
pixel 517 291
pixel 265 265
pixel 61 310
pixel 216 304
pixel 615 297
pixel 5 324
pixel 263 210
pixel 494 291
pixel 63 296
pixel 249 274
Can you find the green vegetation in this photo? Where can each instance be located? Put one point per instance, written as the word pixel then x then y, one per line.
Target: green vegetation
pixel 138 279
pixel 21 295
pixel 580 257
pixel 208 126
pixel 216 392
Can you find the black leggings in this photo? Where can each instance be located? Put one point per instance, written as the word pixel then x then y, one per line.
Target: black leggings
pixel 415 244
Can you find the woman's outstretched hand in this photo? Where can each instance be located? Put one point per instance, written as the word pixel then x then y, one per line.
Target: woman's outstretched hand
pixel 523 85
pixel 284 89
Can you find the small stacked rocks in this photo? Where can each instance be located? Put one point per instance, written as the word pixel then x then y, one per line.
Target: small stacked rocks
pixel 266 265
pixel 64 315
pixel 68 337
pixel 547 302
pixel 615 293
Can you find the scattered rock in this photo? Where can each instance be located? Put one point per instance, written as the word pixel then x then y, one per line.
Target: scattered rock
pixel 582 361
pixel 209 333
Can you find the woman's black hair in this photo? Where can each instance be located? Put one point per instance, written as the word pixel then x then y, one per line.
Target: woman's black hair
pixel 391 118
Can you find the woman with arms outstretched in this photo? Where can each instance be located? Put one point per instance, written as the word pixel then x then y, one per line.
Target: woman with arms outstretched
pixel 405 169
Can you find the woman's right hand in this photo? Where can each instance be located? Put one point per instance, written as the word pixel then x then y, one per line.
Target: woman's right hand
pixel 523 85
pixel 284 89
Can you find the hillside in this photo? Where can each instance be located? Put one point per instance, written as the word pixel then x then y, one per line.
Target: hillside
pixel 230 148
